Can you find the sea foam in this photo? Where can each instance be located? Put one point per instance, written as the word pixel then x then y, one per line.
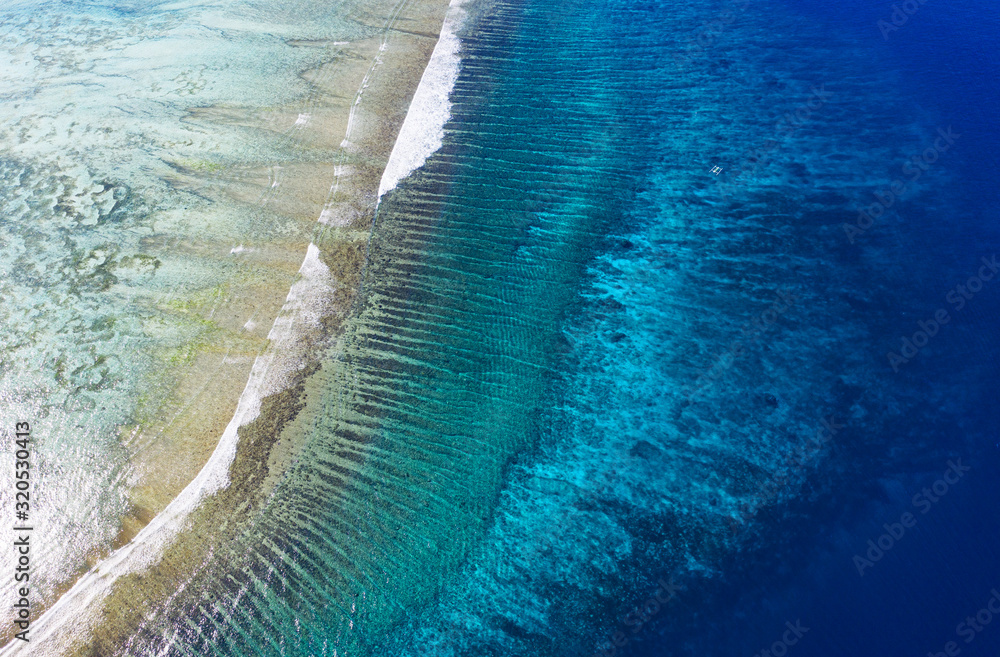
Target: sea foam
pixel 422 131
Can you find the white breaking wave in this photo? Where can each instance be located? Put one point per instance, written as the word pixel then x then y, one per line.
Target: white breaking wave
pixel 422 132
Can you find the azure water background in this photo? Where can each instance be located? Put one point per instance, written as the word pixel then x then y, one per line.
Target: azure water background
pixel 573 372
pixel 798 563
pixel 582 361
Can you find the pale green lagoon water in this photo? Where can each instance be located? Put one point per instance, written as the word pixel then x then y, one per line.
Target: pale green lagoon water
pixel 130 214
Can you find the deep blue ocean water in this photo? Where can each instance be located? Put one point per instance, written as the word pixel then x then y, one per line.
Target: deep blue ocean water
pixel 944 60
pixel 586 363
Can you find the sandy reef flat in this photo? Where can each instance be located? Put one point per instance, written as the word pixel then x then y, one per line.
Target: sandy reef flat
pixel 329 144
